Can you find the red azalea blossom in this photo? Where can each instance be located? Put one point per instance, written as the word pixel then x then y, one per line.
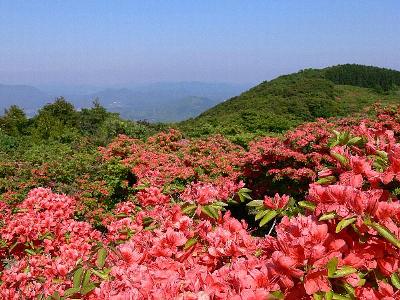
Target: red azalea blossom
pixel 340 232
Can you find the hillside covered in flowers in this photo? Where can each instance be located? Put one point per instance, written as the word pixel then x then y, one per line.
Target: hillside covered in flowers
pixel 311 214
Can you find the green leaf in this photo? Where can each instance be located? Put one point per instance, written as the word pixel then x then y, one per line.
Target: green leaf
pixel 340 297
pixel 277 295
pixel 56 296
pixel 326 180
pixel 344 223
pixel 41 279
pixel 382 154
pixel 147 221
pixel 71 291
pixel 383 231
pixel 213 211
pixel 230 201
pixel 189 209
pixel 268 217
pixel 101 257
pixel 189 243
pixel 244 194
pixel 332 266
pixel 329 295
pixel 220 203
pixel 57 280
pixel 244 190
pixel 340 158
pixel 318 296
pixel 355 140
pixel 380 164
pixel 255 203
pixel 86 278
pixel 102 274
pixel 261 214
pixel 78 278
pixel 141 187
pixel 217 207
pixel 395 280
pixel 344 271
pixel 307 204
pixel 349 289
pixel 39 297
pixel 327 216
pixel 210 211
pixel 344 137
pixel 362 282
pixel 151 227
pixel 30 251
pixel 88 288
pixel 333 143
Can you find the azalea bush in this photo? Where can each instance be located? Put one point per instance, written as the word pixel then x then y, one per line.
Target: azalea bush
pixel 290 163
pixel 313 214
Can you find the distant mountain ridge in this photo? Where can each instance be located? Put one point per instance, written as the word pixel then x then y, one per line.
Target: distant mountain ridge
pixel 27 97
pixel 156 102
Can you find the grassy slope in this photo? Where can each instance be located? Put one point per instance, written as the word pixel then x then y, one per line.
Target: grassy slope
pixel 275 106
pixel 352 99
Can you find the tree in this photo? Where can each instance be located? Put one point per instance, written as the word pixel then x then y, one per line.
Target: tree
pixel 57 120
pixel 61 110
pixel 90 120
pixel 14 121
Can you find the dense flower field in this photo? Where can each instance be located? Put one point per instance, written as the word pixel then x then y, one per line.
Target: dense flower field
pixel 310 215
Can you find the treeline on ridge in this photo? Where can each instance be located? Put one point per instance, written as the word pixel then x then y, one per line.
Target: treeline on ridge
pixel 379 79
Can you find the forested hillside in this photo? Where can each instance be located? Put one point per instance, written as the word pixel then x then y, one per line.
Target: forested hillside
pixel 277 105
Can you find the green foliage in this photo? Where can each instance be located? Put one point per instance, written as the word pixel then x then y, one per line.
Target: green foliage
pixel 275 106
pixel 379 79
pixel 61 110
pixel 91 118
pixel 271 107
pixel 119 179
pixel 14 121
pixel 113 126
pixel 60 121
pixel 57 148
pixel 7 142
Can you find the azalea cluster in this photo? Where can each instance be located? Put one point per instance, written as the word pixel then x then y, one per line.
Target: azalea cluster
pixel 202 170
pixel 327 191
pixel 41 244
pixel 288 164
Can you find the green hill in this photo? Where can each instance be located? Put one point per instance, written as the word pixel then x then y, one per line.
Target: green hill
pixel 277 105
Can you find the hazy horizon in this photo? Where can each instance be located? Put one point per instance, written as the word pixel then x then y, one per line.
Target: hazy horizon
pixel 103 43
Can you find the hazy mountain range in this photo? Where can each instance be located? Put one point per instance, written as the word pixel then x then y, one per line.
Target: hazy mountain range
pixel 164 101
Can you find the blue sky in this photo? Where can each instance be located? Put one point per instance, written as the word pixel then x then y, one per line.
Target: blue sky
pixel 119 42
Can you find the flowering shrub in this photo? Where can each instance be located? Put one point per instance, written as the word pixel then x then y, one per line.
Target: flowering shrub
pixel 167 158
pixel 288 164
pixel 202 171
pixel 41 245
pixel 328 191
